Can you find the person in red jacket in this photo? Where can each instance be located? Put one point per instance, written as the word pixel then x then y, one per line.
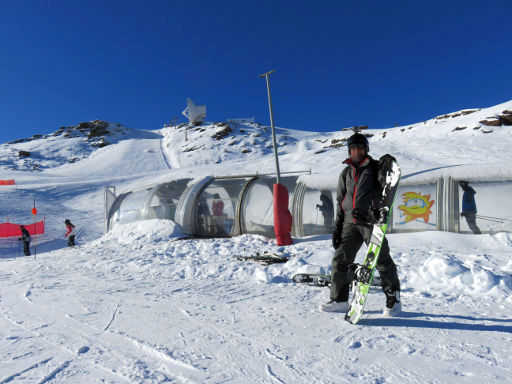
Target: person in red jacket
pixel 217 206
pixel 70 233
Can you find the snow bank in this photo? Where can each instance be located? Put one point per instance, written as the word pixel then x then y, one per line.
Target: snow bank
pixel 148 231
pixel 449 275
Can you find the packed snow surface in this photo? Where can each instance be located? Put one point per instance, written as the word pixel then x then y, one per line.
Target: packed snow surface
pixel 142 304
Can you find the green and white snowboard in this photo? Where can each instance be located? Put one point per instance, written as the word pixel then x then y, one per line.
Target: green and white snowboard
pixel 364 273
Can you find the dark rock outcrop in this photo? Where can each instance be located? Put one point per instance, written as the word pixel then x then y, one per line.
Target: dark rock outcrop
pixel 338 143
pixel 222 133
pixel 491 122
pixel 505 118
pixel 456 114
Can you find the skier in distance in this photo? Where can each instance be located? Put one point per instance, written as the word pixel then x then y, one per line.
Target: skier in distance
pixel 25 237
pixel 70 233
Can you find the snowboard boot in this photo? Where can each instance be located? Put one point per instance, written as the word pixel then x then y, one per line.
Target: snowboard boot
pixel 334 306
pixel 393 304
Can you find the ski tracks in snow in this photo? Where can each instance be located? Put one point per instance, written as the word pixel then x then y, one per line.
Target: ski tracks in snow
pixel 169 164
pixel 168 154
pixel 77 349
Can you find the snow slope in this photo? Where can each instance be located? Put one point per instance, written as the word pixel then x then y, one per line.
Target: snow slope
pixel 140 306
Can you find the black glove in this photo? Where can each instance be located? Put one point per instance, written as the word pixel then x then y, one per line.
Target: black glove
pixel 372 217
pixel 336 239
pixel 360 215
pixel 463 214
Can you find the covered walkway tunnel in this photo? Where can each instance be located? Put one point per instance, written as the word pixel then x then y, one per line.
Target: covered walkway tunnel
pixel 211 207
pixel 231 206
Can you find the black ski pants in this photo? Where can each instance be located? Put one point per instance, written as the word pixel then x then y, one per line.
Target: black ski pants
pixel 471 220
pixel 352 238
pixel 26 248
pixel 71 241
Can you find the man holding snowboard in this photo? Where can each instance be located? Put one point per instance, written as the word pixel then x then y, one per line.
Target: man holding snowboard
pixel 357 210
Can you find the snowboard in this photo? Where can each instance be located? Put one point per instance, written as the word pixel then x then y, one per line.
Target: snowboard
pixel 320 280
pixel 389 176
pixel 263 258
pixel 312 278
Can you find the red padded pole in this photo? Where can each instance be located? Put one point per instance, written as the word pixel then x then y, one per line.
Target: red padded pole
pixel 282 216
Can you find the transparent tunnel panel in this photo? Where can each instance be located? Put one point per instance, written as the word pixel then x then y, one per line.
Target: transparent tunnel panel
pixel 485 207
pixel 217 208
pixel 258 209
pixel 132 207
pixel 258 213
pixel 318 212
pixel 114 210
pixel 165 199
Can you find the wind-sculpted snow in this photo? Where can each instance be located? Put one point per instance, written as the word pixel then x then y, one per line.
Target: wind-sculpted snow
pixel 442 271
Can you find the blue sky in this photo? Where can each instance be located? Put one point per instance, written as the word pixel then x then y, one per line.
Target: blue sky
pixel 338 63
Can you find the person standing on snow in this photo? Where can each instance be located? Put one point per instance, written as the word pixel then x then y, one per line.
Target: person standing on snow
pixel 358 193
pixel 70 233
pixel 469 206
pixel 25 237
pixel 217 206
pixel 326 208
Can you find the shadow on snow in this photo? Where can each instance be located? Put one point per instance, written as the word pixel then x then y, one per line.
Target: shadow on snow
pixel 421 320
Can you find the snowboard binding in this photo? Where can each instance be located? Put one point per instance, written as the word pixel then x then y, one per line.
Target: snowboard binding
pixel 360 273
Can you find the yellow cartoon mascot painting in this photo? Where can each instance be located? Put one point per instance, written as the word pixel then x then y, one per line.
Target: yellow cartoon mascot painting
pixel 416 206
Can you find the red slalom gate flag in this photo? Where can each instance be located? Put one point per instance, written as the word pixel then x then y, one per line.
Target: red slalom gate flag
pixel 7 182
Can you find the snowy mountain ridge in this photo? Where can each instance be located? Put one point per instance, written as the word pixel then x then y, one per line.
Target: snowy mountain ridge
pixel 66 145
pixel 485 131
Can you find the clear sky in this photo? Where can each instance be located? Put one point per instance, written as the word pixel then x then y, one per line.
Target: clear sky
pixel 338 63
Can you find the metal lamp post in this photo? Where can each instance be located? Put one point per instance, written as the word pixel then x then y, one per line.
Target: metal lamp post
pixel 274 141
pixel 282 216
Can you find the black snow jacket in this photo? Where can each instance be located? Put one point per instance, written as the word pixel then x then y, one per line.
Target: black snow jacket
pixel 25 236
pixel 358 187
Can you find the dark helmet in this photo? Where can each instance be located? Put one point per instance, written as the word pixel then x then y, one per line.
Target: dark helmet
pixel 67 221
pixel 358 138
